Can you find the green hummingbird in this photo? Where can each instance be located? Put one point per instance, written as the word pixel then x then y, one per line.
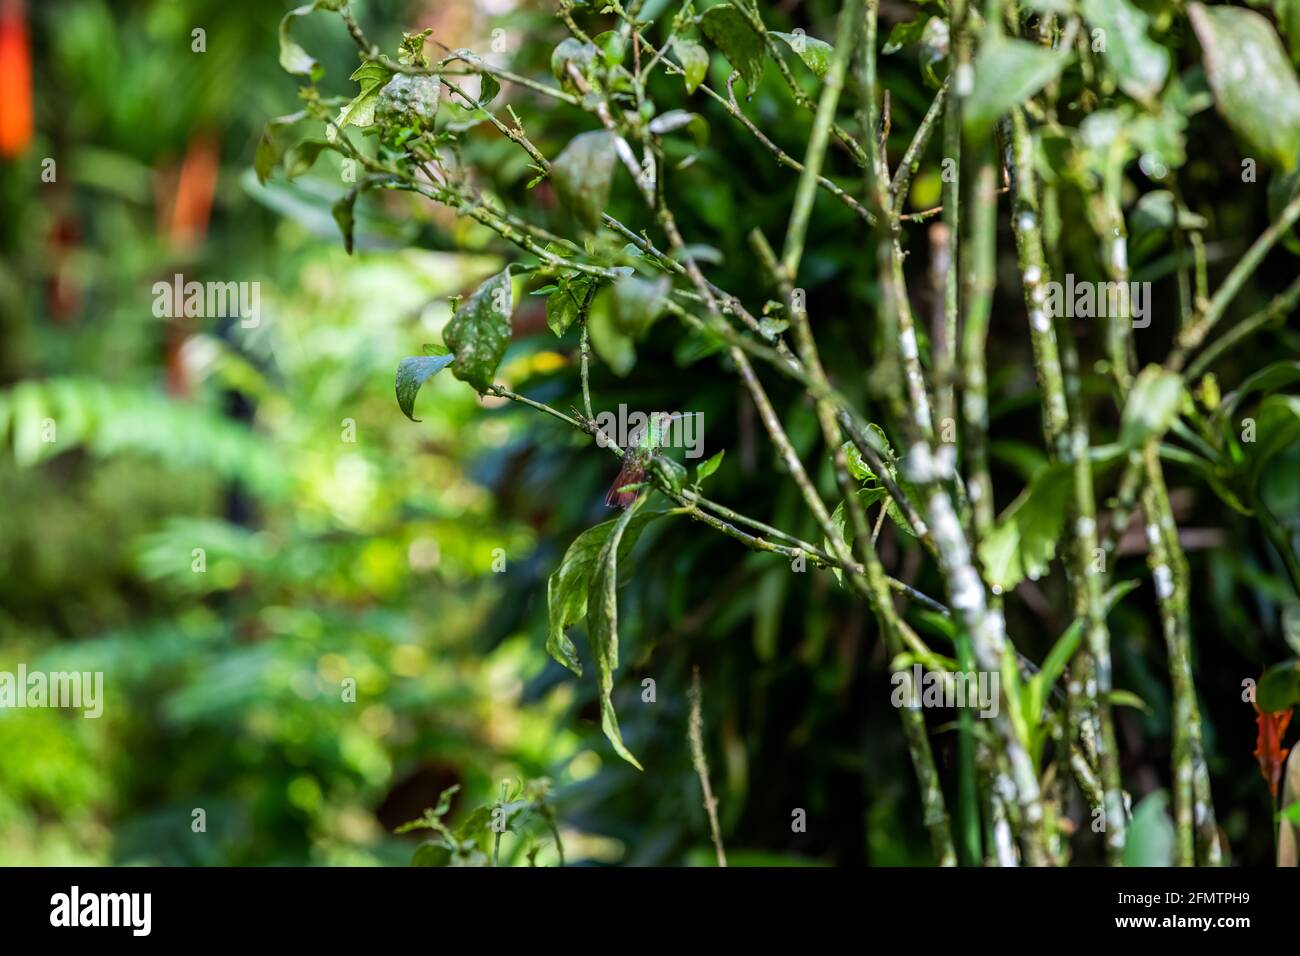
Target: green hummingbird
pixel 640 454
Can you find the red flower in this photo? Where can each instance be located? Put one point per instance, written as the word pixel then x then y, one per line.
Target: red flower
pixel 15 80
pixel 1268 746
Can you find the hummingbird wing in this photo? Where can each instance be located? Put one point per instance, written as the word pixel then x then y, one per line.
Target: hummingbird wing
pixel 631 473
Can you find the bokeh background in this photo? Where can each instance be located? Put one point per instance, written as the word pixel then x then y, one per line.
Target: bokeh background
pixel 344 541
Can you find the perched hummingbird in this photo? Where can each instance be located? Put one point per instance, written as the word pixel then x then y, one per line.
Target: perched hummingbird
pixel 639 455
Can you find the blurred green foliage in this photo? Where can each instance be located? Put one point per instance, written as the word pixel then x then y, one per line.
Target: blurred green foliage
pixel 340 541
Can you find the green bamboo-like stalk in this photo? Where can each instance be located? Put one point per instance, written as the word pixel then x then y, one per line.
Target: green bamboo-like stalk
pixel 1068 442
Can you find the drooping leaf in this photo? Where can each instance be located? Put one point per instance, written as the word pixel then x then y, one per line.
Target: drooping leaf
pixel 413 372
pixel 695 62
pixel 602 628
pixel 480 331
pixel 344 214
pixel 815 53
pixel 489 87
pixel 293 58
pixel 1007 72
pixel 727 27
pixel 582 174
pixel 566 589
pixel 1141 64
pixel 1254 84
pixel 269 150
pixel 1152 407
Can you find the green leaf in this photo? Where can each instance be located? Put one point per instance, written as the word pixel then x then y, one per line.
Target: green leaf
pixel 1058 658
pixel 302 157
pixel 571 49
pixel 344 214
pixel 293 58
pixel 411 374
pixel 637 303
pixel 582 174
pixel 1007 72
pixel 1277 426
pixel 406 100
pixel 904 34
pixel 612 47
pixel 1151 833
pixel 1141 64
pixel 564 305
pixel 1279 688
pixel 695 62
pixel 1023 541
pixel 431 853
pixel 480 331
pixel 602 628
pixel 839 520
pixel 1254 84
pixel 1152 407
pixel 727 27
pixel 616 349
pixel 709 466
pixel 670 472
pixel 1126 698
pixel 1268 379
pixel 269 151
pixel 489 87
pixel 815 53
pixel 566 589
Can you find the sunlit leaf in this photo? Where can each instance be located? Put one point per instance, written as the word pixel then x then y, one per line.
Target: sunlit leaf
pixel 1141 64
pixel 1007 72
pixel 695 62
pixel 1254 83
pixel 815 53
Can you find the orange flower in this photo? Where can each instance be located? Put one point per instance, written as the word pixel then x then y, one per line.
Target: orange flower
pixel 15 80
pixel 1268 745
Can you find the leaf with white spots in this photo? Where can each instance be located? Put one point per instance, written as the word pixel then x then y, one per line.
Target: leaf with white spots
pixel 480 331
pixel 1141 64
pixel 1254 84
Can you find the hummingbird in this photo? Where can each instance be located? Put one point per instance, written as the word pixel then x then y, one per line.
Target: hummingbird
pixel 642 448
